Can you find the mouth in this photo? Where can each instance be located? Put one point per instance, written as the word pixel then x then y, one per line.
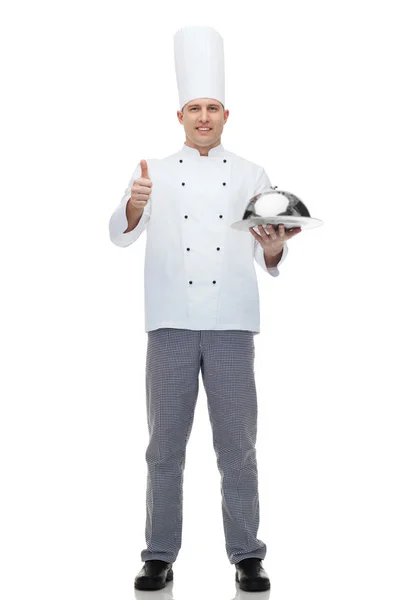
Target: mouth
pixel 204 131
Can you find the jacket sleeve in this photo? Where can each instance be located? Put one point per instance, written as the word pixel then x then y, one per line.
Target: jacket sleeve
pixel 262 184
pixel 118 222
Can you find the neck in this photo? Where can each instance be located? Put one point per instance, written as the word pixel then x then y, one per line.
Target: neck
pixel 203 150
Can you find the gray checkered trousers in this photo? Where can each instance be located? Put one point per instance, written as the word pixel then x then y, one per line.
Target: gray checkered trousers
pixel 173 362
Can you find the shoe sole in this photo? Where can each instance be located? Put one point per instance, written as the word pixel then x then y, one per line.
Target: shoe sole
pixel 252 586
pixel 149 584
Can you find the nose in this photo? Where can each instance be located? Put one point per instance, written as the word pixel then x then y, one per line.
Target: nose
pixel 204 118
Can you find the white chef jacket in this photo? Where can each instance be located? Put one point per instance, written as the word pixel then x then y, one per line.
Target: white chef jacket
pixel 199 272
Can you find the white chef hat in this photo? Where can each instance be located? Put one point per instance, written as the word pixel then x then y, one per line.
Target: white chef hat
pixel 199 61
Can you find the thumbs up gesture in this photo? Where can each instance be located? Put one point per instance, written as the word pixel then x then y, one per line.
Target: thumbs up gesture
pixel 141 189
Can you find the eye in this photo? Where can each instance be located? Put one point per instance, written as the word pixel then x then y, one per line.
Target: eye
pixel 211 107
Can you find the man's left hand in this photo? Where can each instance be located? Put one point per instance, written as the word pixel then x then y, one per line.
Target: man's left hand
pixel 271 240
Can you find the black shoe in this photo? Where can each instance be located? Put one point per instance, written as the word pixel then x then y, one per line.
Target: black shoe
pixel 251 576
pixel 153 575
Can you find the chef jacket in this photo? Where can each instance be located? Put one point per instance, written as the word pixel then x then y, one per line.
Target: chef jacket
pixel 199 273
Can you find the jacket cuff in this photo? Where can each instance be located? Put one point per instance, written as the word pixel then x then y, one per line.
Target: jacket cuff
pixel 259 256
pixel 118 223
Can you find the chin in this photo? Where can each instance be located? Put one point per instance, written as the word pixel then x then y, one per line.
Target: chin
pixel 206 141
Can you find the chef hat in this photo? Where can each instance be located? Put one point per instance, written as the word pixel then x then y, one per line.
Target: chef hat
pixel 199 61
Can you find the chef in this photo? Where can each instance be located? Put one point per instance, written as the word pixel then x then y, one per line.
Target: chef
pixel 201 312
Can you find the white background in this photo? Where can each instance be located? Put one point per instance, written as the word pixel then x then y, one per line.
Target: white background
pixel 317 96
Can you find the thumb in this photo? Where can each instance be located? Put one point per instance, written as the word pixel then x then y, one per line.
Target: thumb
pixel 143 164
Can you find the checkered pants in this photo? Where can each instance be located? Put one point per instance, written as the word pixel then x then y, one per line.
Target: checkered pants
pixel 173 362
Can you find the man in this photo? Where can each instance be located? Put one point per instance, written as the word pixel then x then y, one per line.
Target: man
pixel 201 313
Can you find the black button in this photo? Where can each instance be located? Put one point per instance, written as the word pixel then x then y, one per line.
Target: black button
pixel 225 160
pixel 220 216
pixel 190 282
pixel 188 248
pixel 218 248
pixel 181 160
pixel 183 183
pixel 185 216
pixel 214 282
pixel 224 183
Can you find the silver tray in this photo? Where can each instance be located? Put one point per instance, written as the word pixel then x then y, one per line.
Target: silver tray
pixel 289 222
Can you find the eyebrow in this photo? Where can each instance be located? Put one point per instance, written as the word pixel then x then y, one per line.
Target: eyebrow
pixel 209 105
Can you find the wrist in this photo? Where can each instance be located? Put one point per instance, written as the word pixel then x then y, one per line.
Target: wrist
pixel 271 260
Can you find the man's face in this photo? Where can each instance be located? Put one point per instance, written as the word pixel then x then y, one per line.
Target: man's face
pixel 203 112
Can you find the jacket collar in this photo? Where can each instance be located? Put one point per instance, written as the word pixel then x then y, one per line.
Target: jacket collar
pixel 194 153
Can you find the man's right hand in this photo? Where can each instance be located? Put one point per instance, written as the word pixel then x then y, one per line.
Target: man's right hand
pixel 141 189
